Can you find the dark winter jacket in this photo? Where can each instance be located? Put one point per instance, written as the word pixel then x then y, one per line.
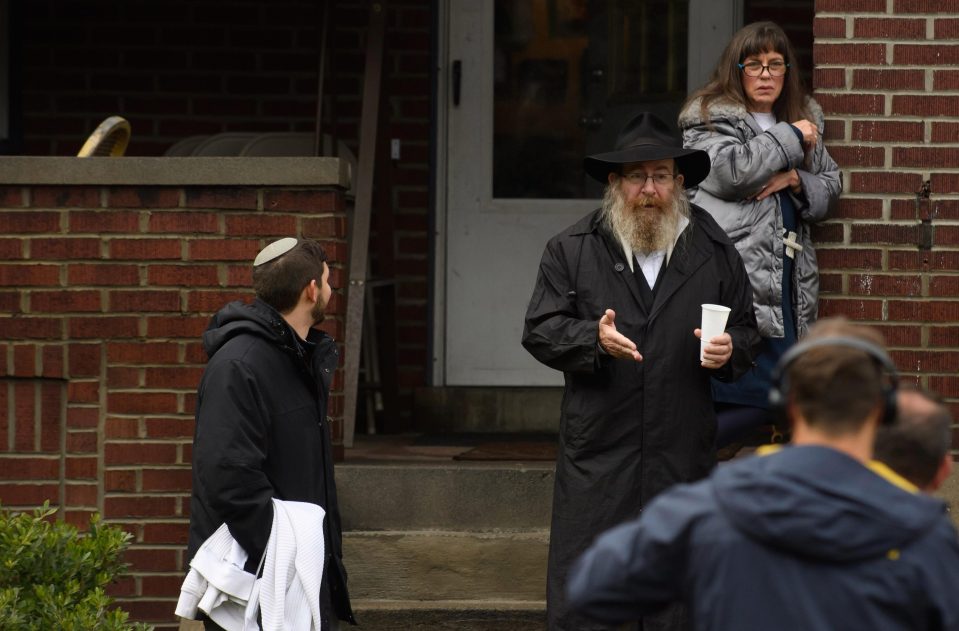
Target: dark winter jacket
pixel 806 538
pixel 630 429
pixel 262 432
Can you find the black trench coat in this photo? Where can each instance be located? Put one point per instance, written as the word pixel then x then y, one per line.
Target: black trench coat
pixel 628 430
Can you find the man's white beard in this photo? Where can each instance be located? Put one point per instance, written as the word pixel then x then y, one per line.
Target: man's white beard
pixel 644 229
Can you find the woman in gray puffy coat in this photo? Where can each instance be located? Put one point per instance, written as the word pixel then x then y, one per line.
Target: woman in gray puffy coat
pixel 771 178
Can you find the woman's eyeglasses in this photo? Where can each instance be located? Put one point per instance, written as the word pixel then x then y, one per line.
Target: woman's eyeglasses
pixel 755 69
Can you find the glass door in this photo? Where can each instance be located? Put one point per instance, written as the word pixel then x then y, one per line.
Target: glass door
pixel 531 87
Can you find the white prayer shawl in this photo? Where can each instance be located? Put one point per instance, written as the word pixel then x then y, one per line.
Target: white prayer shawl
pixel 288 592
pixel 293 571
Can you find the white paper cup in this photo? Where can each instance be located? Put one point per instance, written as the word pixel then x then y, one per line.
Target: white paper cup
pixel 714 323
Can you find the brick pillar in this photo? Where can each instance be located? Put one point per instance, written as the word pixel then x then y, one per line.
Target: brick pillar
pixel 886 77
pixel 106 291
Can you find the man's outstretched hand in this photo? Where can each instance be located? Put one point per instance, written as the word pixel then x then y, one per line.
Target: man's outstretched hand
pixel 613 342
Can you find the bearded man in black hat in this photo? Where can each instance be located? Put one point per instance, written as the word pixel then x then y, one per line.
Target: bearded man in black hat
pixel 616 307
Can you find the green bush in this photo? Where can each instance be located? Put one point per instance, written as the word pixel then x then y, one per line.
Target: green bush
pixel 53 577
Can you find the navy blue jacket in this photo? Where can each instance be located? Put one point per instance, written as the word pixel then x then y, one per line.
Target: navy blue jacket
pixel 805 538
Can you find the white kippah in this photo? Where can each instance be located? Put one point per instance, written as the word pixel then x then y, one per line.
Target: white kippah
pixel 275 250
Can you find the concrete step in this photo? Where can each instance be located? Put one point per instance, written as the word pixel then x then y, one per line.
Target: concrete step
pixel 452 496
pixel 487 409
pixel 451 545
pixel 442 565
pixel 385 615
pixel 448 544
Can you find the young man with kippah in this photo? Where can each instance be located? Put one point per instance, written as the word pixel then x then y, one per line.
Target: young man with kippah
pixel 261 427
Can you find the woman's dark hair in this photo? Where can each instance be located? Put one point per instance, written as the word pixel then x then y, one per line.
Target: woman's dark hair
pixel 280 282
pixel 727 78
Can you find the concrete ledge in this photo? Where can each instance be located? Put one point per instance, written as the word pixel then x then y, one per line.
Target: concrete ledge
pixel 454 496
pixel 60 171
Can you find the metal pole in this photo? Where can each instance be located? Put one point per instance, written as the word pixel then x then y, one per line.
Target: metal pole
pixel 360 234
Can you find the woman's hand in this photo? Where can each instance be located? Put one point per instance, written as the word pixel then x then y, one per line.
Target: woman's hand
pixel 810 133
pixel 778 182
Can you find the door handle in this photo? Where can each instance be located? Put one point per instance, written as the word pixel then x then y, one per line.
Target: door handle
pixel 457 79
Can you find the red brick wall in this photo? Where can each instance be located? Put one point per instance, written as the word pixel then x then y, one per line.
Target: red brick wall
pixel 409 119
pixel 185 67
pixel 886 77
pixel 105 293
pixel 105 290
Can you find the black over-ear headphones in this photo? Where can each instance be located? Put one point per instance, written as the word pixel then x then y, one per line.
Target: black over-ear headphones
pixel 779 391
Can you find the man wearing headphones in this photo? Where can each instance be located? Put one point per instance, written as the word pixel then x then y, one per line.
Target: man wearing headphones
pixel 812 536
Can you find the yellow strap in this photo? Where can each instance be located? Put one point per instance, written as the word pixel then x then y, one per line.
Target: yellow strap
pixel 879 468
pixel 766 450
pixel 883 471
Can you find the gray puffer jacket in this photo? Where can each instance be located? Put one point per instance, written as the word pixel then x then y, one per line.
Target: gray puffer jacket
pixel 743 159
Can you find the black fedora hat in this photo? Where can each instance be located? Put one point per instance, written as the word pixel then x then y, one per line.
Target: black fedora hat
pixel 647 137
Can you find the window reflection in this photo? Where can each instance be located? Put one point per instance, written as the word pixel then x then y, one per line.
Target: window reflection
pixel 567 75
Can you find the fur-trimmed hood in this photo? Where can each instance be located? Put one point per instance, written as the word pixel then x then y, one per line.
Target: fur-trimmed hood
pixel 726 109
